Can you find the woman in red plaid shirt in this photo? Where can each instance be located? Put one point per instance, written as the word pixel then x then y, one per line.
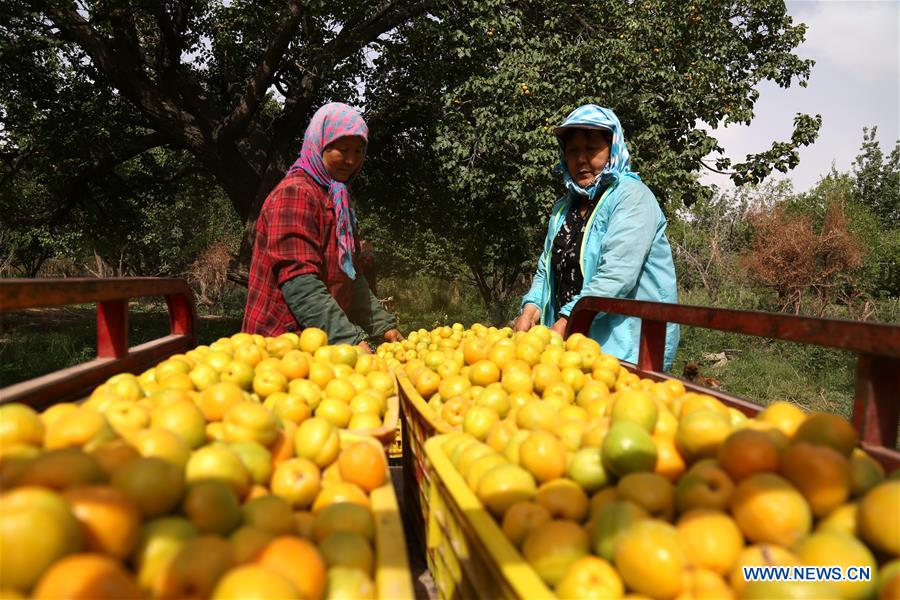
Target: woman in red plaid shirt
pixel 302 273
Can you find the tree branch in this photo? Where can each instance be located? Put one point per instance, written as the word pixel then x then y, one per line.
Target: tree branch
pixel 127 76
pixel 259 82
pixel 714 170
pixel 385 18
pixel 349 40
pixel 102 164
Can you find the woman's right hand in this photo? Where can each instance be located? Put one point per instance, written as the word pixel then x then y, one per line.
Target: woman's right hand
pixel 528 319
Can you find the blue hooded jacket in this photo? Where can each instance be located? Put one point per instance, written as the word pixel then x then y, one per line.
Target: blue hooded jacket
pixel 624 252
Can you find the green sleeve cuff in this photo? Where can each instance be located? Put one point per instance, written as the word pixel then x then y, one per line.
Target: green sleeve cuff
pixel 313 306
pixel 367 311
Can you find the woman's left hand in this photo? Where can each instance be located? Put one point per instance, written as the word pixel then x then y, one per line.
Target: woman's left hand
pixel 560 326
pixel 393 335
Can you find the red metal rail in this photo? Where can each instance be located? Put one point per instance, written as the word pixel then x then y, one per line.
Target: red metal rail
pixel 876 410
pixel 113 353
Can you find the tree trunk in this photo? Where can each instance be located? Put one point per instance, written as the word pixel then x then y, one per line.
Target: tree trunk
pixel 481 283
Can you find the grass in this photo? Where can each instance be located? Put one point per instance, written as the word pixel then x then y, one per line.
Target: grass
pixel 763 370
pixel 37 342
pixel 428 302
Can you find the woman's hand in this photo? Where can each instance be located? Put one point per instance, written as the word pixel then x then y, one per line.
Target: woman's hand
pixel 560 326
pixel 528 319
pixel 365 347
pixel 393 335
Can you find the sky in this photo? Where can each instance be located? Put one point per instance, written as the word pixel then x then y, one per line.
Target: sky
pixel 855 83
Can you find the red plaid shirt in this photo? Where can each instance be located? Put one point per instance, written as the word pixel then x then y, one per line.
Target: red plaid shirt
pixel 295 235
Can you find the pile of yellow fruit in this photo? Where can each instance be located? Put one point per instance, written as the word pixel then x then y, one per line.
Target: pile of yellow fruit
pixel 221 473
pixel 608 483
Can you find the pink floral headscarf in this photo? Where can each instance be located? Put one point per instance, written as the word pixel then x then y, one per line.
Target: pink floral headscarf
pixel 332 121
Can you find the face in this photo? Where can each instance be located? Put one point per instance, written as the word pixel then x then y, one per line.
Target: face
pixel 343 157
pixel 587 152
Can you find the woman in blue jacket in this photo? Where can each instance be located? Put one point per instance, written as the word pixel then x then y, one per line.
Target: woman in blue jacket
pixel 606 238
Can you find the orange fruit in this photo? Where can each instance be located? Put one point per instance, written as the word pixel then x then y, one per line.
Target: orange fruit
pixel 711 539
pixel 363 464
pixel 297 480
pixel 636 406
pixel 484 372
pixel 762 555
pixel 320 373
pixel 543 455
pixel 601 498
pixel 110 520
pixel 628 448
pixel 609 520
pixel 163 444
pixel 337 492
pixel 705 485
pixel 650 558
pixel 878 520
pixel 865 472
pixel 551 547
pixel 453 385
pixel 501 354
pixel 827 430
pixel 654 493
pixel 37 528
pixel 666 424
pixel 517 380
pixel 283 447
pixel 521 519
pixel 832 548
pixel 340 389
pixel 87 576
pixel 115 453
pixel 701 432
pixel 669 462
pixel 312 338
pixel 81 427
pixel 503 486
pixel 348 549
pixel 544 375
pixel 427 383
pixel 768 508
pixel 335 411
pixel 563 499
pixel 474 350
pixel 196 568
pixel 254 581
pixel 62 468
pixel 298 561
pixel 215 400
pixel 842 519
pixel 20 424
pixel 590 577
pixel 155 484
pixel 692 402
pixel 212 506
pixel 535 415
pixel 345 516
pixel 470 455
pixel 529 352
pixel 698 582
pixel 821 474
pixel 269 513
pixel 786 417
pixel 747 452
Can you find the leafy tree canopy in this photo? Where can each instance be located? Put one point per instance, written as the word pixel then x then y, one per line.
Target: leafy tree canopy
pixel 460 96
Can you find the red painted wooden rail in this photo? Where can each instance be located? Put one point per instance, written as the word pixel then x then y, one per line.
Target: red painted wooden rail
pixel 876 409
pixel 113 353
